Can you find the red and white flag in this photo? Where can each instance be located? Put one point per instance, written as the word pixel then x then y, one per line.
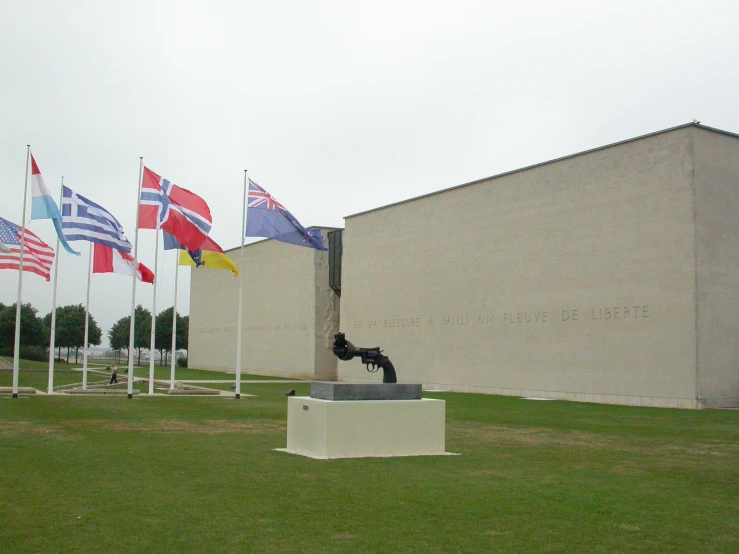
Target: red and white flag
pixel 37 255
pixel 109 260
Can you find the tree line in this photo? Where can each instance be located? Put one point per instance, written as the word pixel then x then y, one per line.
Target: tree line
pixel 120 333
pixel 70 332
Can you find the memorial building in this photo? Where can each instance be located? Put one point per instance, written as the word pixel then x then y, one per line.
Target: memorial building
pixel 290 314
pixel 607 276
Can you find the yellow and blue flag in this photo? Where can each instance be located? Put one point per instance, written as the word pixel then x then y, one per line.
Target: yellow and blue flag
pixel 209 255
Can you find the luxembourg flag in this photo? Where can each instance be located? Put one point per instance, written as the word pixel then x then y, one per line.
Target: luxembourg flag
pixel 110 260
pixel 43 205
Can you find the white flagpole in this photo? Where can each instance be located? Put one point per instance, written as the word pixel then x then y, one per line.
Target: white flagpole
pixel 87 323
pixel 241 293
pixel 52 338
pixel 174 319
pixel 17 342
pixel 133 292
pixel 152 344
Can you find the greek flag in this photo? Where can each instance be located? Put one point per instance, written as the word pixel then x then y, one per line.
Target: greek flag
pixel 82 219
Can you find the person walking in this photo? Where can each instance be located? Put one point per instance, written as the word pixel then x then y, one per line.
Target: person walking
pixel 113 374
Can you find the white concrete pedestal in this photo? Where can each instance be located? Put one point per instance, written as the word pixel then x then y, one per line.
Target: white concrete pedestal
pixel 365 428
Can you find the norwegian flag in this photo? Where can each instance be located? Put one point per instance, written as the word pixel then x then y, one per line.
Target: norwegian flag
pixel 177 211
pixel 37 255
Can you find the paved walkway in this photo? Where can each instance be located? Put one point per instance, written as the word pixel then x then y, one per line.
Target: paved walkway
pixel 252 381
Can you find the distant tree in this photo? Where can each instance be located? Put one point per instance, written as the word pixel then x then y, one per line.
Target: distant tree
pixel 185 328
pixel 119 335
pixel 46 331
pixel 163 333
pixel 64 328
pixel 70 329
pixel 31 326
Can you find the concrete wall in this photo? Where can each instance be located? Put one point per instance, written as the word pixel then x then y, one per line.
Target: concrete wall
pixel 717 232
pixel 289 311
pixel 573 279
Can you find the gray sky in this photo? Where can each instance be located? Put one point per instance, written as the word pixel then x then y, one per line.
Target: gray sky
pixel 335 107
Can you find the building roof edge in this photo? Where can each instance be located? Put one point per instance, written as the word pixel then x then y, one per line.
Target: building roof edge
pixel 611 145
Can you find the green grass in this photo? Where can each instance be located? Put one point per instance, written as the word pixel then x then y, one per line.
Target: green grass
pixel 196 474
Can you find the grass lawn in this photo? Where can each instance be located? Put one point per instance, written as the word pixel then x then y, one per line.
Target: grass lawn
pixel 199 474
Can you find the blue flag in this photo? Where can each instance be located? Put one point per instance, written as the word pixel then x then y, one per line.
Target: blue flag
pixel 266 217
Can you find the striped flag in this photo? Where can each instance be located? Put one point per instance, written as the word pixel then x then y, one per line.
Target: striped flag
pixel 43 205
pixel 83 219
pixel 37 255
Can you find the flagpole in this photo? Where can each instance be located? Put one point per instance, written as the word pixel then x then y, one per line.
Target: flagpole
pixel 133 291
pixel 241 293
pixel 87 323
pixel 52 338
pixel 17 342
pixel 153 314
pixel 174 319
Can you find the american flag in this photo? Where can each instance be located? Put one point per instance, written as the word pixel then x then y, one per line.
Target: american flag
pixel 37 255
pixel 260 198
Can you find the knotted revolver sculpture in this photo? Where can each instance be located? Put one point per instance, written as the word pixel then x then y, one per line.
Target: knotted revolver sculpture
pixel 373 358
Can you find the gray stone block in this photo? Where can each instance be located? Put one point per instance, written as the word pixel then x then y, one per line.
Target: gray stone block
pixel 326 390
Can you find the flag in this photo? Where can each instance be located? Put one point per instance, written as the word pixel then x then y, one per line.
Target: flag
pixel 180 213
pixel 209 255
pixel 83 219
pixel 266 217
pixel 37 255
pixel 43 205
pixel 4 249
pixel 110 260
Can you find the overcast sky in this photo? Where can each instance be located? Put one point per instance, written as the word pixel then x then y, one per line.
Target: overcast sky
pixel 334 107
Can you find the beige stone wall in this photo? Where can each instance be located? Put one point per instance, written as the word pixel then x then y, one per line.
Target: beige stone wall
pixel 287 310
pixel 717 231
pixel 573 279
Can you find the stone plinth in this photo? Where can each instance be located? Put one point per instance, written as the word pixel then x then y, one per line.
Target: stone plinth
pixel 97 392
pixel 326 390
pixel 326 429
pixel 21 390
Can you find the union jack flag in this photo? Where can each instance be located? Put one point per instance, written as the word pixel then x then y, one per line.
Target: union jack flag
pixel 260 198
